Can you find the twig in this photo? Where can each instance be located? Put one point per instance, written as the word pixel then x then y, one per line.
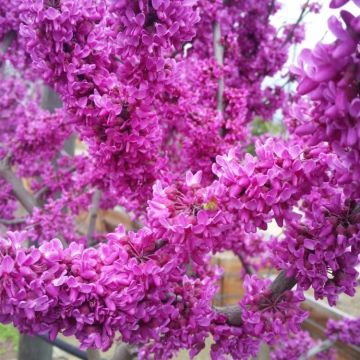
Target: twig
pixel 271 8
pixel 18 189
pixel 160 244
pixel 298 21
pixel 12 221
pixel 41 192
pixel 25 198
pixel 247 267
pixel 281 284
pixel 324 345
pixel 95 203
pixel 219 57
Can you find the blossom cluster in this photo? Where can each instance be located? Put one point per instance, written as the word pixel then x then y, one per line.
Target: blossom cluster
pixel 75 48
pixel 267 186
pixel 321 247
pixel 328 75
pixel 124 285
pixel 297 345
pixel 30 134
pixel 323 251
pixel 130 284
pixel 346 330
pixel 270 316
pixel 70 47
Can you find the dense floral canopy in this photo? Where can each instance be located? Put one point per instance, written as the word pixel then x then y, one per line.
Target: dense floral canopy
pixel 165 94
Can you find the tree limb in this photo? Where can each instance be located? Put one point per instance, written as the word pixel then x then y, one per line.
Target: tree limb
pixel 281 284
pixel 232 314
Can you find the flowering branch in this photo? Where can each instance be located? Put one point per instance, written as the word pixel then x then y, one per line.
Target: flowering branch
pixel 281 284
pixel 271 8
pixel 298 21
pixel 145 118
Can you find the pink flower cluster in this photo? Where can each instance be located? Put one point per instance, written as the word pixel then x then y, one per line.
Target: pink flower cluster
pixel 269 185
pixel 148 32
pixel 126 285
pixel 323 251
pixel 297 345
pixel 267 316
pixel 70 47
pixel 329 75
pixel 346 330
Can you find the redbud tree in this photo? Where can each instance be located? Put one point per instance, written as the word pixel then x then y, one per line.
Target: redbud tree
pixel 164 94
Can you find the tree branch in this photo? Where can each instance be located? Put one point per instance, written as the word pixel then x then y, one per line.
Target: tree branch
pixel 271 8
pixel 219 57
pixel 281 284
pixel 18 189
pixel 93 216
pixel 40 193
pixel 324 345
pixel 12 221
pixel 247 267
pixel 298 21
pixel 232 314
